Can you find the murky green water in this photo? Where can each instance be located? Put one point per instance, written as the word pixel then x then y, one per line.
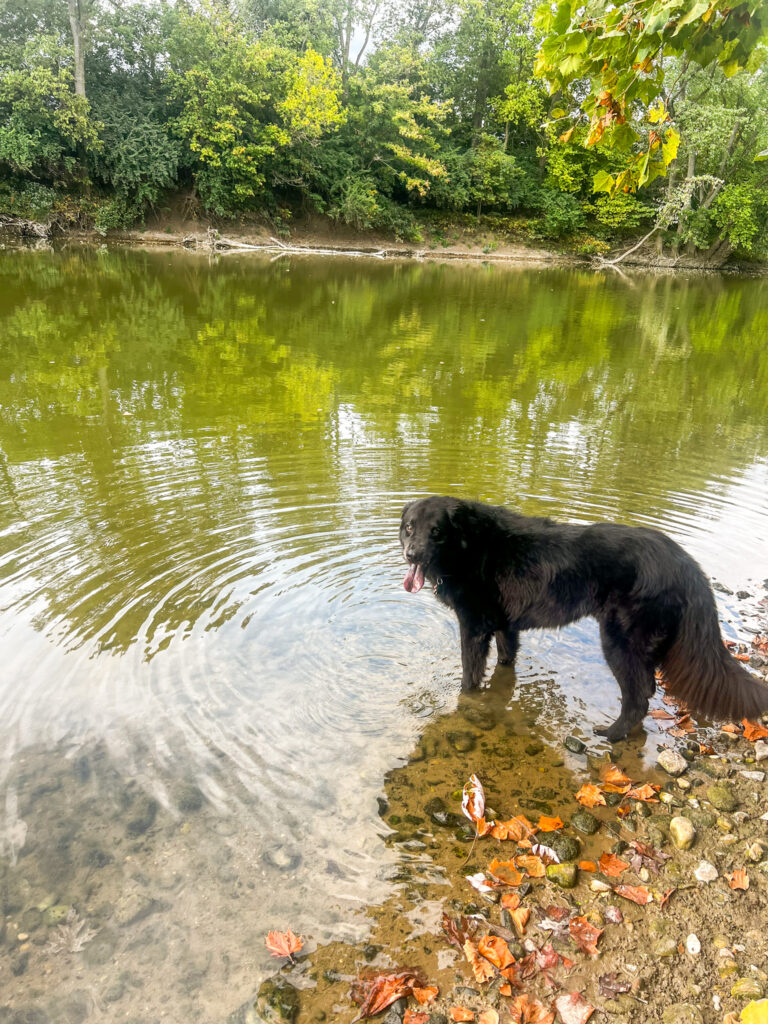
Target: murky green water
pixel 209 663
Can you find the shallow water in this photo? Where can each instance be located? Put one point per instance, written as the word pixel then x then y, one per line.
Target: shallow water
pixel 209 663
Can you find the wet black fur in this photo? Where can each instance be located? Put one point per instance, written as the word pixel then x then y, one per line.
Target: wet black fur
pixel 502 573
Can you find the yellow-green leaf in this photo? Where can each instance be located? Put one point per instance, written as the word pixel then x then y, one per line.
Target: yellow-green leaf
pixel 755 1012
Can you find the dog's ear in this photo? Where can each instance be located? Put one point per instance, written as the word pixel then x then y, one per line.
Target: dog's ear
pixel 406 510
pixel 461 522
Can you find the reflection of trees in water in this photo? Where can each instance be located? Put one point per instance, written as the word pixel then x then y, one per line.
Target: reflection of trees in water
pixel 172 401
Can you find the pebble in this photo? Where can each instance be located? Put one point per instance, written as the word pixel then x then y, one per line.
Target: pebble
pixel 682 832
pixel 585 822
pixel 672 763
pixel 575 745
pixel 755 852
pixel 761 750
pixel 706 872
pixel 563 875
pixel 597 886
pixel 753 776
pixel 682 1013
pixel 747 988
pixel 693 945
pixel 721 797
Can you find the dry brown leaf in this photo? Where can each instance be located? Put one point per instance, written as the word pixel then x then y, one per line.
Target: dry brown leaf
pixel 646 792
pixel 637 893
pixel 739 879
pixel 753 731
pixel 615 776
pixel 425 996
pixel 473 799
pixel 488 1017
pixel 731 729
pixel 590 796
pixel 612 865
pixel 481 969
pixel 380 991
pixel 585 935
pixel 283 943
pixel 505 989
pixel 416 1017
pixel 525 1010
pixel 520 919
pixel 663 715
pixel 510 901
pixel 517 828
pixel 495 949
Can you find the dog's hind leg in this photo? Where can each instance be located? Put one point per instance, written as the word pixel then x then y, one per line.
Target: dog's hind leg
pixel 474 655
pixel 633 667
pixel 507 643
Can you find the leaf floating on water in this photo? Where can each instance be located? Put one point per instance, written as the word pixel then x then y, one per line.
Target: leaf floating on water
pixel 496 951
pixel 573 1008
pixel 473 799
pixel 377 993
pixel 739 879
pixel 585 935
pixel 612 865
pixel 505 871
pixel 646 792
pixel 547 824
pixel 481 969
pixel 637 893
pixel 614 776
pixel 590 796
pixel 525 1010
pixel 283 943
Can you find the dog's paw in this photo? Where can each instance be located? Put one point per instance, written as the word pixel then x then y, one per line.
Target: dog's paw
pixel 611 734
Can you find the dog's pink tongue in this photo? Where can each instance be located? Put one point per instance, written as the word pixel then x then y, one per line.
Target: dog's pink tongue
pixel 414 579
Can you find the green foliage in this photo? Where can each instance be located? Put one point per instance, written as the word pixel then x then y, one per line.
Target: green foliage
pixel 27 199
pixel 623 212
pixel 740 212
pixel 561 214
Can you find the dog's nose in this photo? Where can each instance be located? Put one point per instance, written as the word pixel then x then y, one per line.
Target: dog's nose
pixel 409 552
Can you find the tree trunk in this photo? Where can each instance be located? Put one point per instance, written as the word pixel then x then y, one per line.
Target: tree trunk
pixel 77 24
pixel 481 95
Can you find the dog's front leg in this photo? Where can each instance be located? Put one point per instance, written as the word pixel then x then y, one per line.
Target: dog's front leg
pixel 507 643
pixel 474 655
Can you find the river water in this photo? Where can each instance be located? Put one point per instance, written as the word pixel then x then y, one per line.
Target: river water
pixel 209 664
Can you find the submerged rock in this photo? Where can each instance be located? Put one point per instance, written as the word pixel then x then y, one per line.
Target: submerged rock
pixel 706 872
pixel 747 988
pixel 721 796
pixel 565 847
pixel 276 1003
pixel 144 814
pixel 682 832
pixel 585 822
pixel 682 1013
pixel 575 745
pixel 462 742
pixel 672 763
pixel 563 875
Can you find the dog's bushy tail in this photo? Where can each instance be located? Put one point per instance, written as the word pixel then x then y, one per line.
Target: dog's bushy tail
pixel 699 670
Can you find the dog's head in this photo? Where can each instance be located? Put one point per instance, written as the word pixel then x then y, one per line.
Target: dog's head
pixel 432 538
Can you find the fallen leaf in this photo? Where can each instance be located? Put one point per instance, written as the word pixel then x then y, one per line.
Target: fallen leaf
pixel 685 724
pixel 457 932
pixel 557 913
pixel 731 729
pixel 637 893
pixel 613 985
pixel 377 993
pixel 753 731
pixel 612 865
pixel 488 1017
pixel 548 957
pixel 425 996
pixel 473 799
pixel 496 951
pixel 613 915
pixel 505 989
pixel 573 1008
pixel 590 796
pixel 665 898
pixel 481 969
pixel 739 879
pixel 546 853
pixel 480 882
pixel 741 657
pixel 283 943
pixel 663 715
pixel 520 919
pixel 614 776
pixel 531 864
pixel 585 935
pixel 646 792
pixel 505 871
pixel 461 1013
pixel 416 1017
pixel 552 824
pixel 755 1012
pixel 516 828
pixel 525 1010
pixel 587 865
pixel 510 901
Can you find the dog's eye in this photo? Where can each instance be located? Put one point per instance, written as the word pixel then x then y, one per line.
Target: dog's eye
pixel 409 527
pixel 435 531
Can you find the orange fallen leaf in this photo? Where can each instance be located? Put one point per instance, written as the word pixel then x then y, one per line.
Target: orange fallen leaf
pixel 739 879
pixel 488 1017
pixel 283 943
pixel 531 864
pixel 525 1010
pixel 505 989
pixel 637 893
pixel 584 935
pixel 505 871
pixel 461 1013
pixel 516 828
pixel 425 996
pixel 663 715
pixel 416 1017
pixel 646 792
pixel 377 993
pixel 547 824
pixel 753 731
pixel 481 969
pixel 732 729
pixel 685 723
pixel 741 657
pixel 496 951
pixel 590 796
pixel 520 919
pixel 615 776
pixel 587 865
pixel 612 865
pixel 510 901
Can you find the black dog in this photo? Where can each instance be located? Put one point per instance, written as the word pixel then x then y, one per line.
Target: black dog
pixel 502 572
